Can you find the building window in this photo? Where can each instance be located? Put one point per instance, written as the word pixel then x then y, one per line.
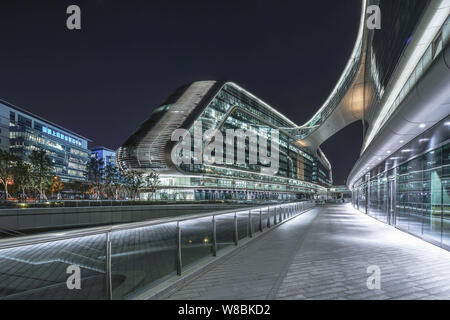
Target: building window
pixel 38 126
pixel 24 121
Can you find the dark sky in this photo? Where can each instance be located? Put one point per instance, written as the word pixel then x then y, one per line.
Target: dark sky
pixel 105 79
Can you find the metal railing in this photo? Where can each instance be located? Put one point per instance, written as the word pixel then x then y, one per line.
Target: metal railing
pixel 123 261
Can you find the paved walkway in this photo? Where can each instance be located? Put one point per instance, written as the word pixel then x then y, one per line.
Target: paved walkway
pixel 324 254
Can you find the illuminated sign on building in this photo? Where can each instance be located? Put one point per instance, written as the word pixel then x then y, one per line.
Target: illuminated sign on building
pixel 61 136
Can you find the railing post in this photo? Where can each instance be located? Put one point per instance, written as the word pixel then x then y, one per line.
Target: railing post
pixel 260 220
pixel 275 216
pixel 179 264
pixel 214 237
pixel 284 213
pixel 108 267
pixel 236 238
pixel 268 217
pixel 250 229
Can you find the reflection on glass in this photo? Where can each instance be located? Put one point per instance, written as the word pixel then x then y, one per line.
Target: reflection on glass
pixel 196 240
pixel 141 258
pixel 39 271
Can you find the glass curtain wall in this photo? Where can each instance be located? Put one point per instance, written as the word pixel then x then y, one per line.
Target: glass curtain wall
pixel 421 202
pixel 233 109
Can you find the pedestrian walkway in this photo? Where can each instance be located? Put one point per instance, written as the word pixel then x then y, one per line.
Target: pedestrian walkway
pixel 324 254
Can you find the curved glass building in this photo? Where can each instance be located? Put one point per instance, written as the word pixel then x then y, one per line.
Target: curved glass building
pixel 223 106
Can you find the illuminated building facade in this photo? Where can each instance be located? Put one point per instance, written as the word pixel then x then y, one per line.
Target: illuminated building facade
pixel 223 106
pixel 108 155
pixel 22 132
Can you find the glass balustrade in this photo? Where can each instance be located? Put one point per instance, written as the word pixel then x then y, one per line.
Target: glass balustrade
pixel 125 261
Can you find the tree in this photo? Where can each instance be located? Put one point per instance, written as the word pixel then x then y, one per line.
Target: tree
pixel 22 177
pixel 56 187
pixel 112 180
pixel 135 181
pixel 41 170
pixel 7 162
pixel 153 182
pixel 122 183
pixel 77 186
pixel 94 175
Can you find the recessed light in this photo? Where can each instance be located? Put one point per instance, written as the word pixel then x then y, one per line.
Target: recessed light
pixel 422 125
pixel 401 141
pixel 388 151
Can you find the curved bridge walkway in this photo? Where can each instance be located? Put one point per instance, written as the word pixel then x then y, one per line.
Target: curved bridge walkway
pixel 324 254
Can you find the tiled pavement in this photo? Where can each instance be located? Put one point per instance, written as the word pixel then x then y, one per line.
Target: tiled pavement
pixel 324 254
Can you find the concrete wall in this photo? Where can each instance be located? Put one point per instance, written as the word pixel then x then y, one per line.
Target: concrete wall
pixel 42 219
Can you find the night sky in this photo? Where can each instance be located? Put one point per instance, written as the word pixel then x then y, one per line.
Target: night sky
pixel 105 79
